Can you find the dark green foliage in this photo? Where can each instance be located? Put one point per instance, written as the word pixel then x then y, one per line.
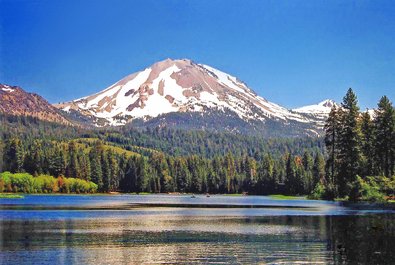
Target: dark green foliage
pixel 14 155
pixel 349 144
pixel 318 170
pixel 96 166
pixel 384 139
pixel 366 190
pixel 357 147
pixel 367 149
pixel 332 131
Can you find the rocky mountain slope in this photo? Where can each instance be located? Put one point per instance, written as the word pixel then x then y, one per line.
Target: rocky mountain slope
pixel 15 101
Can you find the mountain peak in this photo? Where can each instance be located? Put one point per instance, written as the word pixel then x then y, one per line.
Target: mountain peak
pixel 329 103
pixel 322 108
pixel 177 85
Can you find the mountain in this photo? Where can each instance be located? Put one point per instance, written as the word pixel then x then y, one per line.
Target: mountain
pixel 322 108
pixel 172 92
pixel 318 112
pixel 15 101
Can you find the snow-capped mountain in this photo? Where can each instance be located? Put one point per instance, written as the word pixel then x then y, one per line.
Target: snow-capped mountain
pixel 317 113
pixel 324 107
pixel 178 86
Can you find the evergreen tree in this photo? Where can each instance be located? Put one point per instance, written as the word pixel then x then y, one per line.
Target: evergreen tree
pixel 196 168
pixel 308 163
pixel 367 145
pixel 230 172
pixel 332 130
pixel 318 169
pixel 182 175
pixel 290 175
pixel 217 178
pixel 96 166
pixel 85 166
pixel 266 180
pixel 136 174
pixel 73 167
pixel 57 164
pixel 384 126
pixel 349 144
pixel 250 170
pixel 106 171
pixel 14 155
pixel 34 158
pixel 114 169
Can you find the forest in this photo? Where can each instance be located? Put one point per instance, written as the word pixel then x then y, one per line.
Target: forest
pixel 355 159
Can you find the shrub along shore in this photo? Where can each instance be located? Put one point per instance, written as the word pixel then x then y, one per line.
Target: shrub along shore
pixel 26 183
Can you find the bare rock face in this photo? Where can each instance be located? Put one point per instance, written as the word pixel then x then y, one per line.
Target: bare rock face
pixel 15 101
pixel 179 86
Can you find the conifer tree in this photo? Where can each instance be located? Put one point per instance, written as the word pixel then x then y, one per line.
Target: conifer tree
pixel 96 166
pixel 85 166
pixel 308 164
pixel 14 155
pixel 106 171
pixel 318 169
pixel 349 144
pixel 384 136
pixel 34 158
pixel 332 130
pixel 290 175
pixel 266 181
pixel 367 145
pixel 73 167
pixel 230 171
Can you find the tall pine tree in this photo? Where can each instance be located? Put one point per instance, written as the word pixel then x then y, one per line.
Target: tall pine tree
pixel 349 144
pixel 384 137
pixel 332 129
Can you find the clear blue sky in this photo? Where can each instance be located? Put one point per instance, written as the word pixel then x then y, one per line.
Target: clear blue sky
pixel 291 52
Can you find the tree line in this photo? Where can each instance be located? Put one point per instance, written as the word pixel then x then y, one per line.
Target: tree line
pixel 118 170
pixel 360 150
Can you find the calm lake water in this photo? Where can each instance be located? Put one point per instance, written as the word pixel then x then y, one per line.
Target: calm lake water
pixel 178 229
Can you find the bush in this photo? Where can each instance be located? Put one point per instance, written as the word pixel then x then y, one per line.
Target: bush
pixel 24 182
pixel 366 190
pixel 322 192
pixel 318 192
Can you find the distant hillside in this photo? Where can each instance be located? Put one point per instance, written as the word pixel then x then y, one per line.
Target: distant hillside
pixel 15 101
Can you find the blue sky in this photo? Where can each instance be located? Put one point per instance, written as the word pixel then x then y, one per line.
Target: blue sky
pixel 293 53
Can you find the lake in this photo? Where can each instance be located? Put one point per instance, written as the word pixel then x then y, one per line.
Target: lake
pixel 180 229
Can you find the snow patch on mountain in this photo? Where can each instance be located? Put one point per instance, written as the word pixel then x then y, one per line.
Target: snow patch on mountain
pixel 7 88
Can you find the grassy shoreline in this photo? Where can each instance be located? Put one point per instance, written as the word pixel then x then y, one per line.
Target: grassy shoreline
pixel 11 196
pixel 21 194
pixel 287 197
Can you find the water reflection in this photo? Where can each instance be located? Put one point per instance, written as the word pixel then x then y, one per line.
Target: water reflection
pixel 323 234
pixel 315 239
